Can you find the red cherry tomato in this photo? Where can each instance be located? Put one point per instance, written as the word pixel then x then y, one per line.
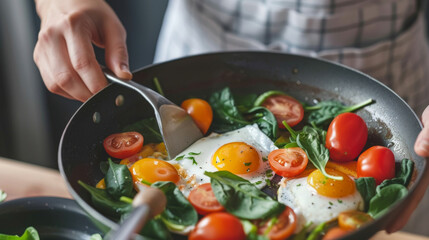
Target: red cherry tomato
pixel 283 228
pixel 204 200
pixel 284 107
pixel 346 137
pixel 288 162
pixel 123 145
pixel 216 226
pixel 200 111
pixel 377 162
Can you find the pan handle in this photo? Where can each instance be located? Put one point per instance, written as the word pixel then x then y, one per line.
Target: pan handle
pixel 148 203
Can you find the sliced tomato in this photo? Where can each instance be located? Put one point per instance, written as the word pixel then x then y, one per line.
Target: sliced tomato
pixel 216 226
pixel 204 200
pixel 282 228
pixel 335 233
pixel 200 111
pixel 284 107
pixel 288 162
pixel 353 219
pixel 123 145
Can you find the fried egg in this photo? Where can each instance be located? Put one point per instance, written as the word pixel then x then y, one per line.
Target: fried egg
pixel 317 199
pixel 243 152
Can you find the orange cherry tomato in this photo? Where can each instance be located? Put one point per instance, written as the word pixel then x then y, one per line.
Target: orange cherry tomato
pixel 216 226
pixel 353 219
pixel 346 137
pixel 283 228
pixel 204 200
pixel 377 162
pixel 200 111
pixel 123 145
pixel 288 162
pixel 335 233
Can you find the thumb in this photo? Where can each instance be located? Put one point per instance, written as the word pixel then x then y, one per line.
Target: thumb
pixel 422 143
pixel 116 54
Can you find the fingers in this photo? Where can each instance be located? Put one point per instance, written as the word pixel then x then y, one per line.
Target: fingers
pixel 116 49
pixel 422 143
pixel 52 59
pixel 83 60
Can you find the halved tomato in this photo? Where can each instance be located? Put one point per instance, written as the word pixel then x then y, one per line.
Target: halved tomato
pixel 283 227
pixel 123 145
pixel 284 107
pixel 288 162
pixel 204 200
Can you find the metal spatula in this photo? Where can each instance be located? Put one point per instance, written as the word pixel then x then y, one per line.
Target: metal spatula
pixel 178 132
pixel 177 127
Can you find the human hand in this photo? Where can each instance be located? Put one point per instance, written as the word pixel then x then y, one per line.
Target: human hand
pixel 421 147
pixel 64 53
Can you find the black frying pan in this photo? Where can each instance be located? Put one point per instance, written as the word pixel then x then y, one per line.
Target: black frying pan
pixel 390 120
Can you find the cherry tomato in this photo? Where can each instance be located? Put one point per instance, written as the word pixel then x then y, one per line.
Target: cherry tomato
pixel 335 233
pixel 284 107
pixel 353 219
pixel 283 228
pixel 216 226
pixel 288 162
pixel 123 145
pixel 200 111
pixel 346 137
pixel 204 200
pixel 377 162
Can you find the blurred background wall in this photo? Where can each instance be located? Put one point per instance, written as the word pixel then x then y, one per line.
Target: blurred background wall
pixel 31 118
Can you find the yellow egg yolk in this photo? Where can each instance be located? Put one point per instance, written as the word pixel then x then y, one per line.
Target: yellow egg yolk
pixel 152 170
pixel 329 187
pixel 236 157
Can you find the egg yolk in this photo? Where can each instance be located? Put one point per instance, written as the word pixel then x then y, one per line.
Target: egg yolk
pixel 329 187
pixel 153 170
pixel 236 157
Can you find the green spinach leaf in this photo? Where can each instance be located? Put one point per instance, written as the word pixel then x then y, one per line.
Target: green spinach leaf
pixel 226 116
pixel 402 176
pixel 244 102
pixel 29 234
pixel 156 229
pixel 317 232
pixel 96 236
pixel 178 213
pixel 119 181
pixel 3 195
pixel 322 113
pixel 385 198
pixel 148 128
pixel 312 141
pixel 366 187
pixel 303 233
pixel 241 198
pixel 105 203
pixel 265 120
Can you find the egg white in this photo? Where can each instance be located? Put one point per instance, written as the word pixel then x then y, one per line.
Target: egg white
pixel 309 206
pixel 202 151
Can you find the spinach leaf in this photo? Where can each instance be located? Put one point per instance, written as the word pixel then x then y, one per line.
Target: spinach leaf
pixel 148 128
pixel 3 195
pixel 251 231
pixel 312 141
pixel 244 102
pixel 366 188
pixel 241 198
pixel 385 198
pixel 104 202
pixel 29 234
pixel 303 233
pixel 178 213
pixel 104 166
pixel 317 232
pixel 96 236
pixel 265 120
pixel 156 229
pixel 322 113
pixel 402 176
pixel 119 181
pixel 226 116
